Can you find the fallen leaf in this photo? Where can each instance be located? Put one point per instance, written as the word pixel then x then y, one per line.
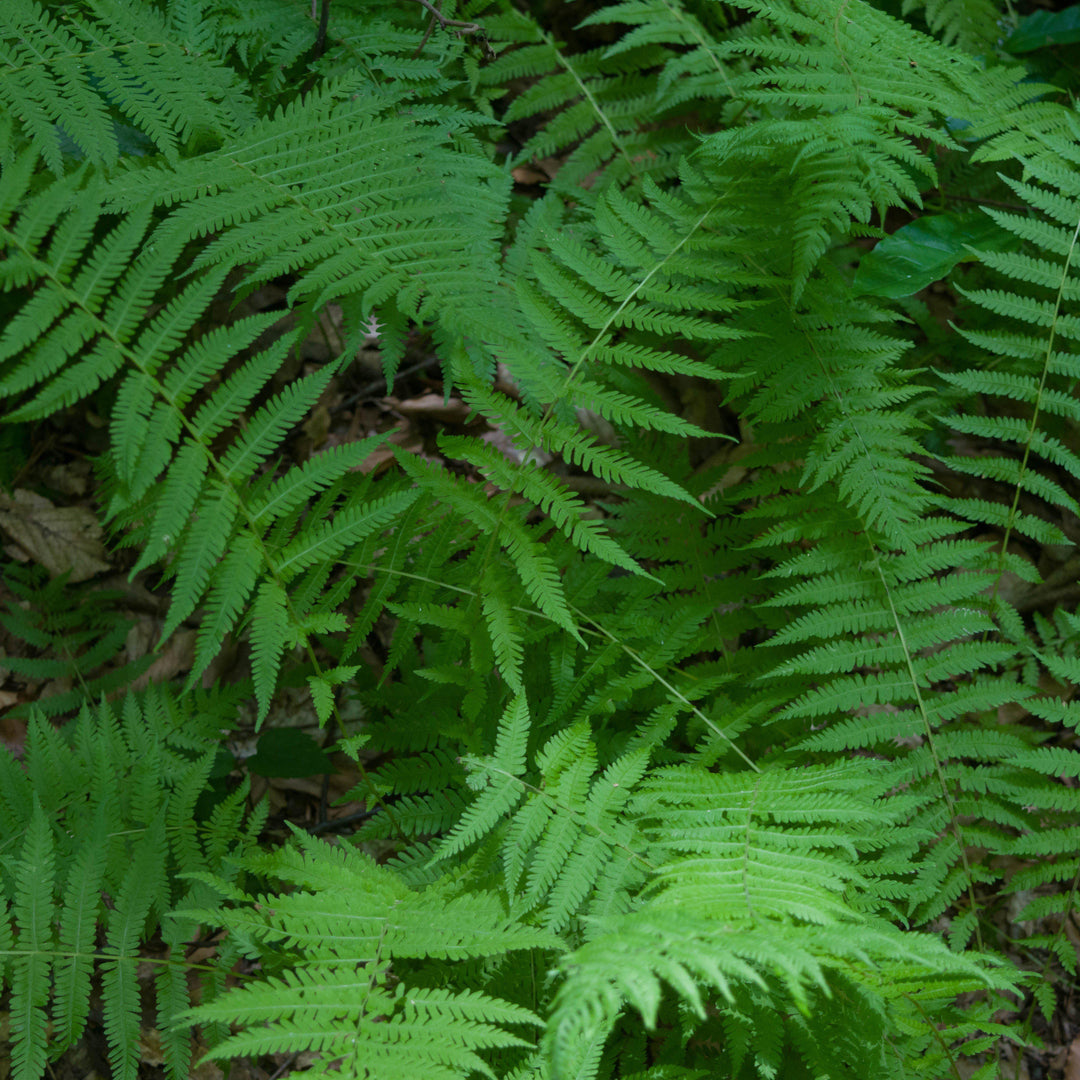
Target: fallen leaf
pixel 433 405
pixel 60 538
pixel 177 656
pixel 1072 1061
pixel 524 175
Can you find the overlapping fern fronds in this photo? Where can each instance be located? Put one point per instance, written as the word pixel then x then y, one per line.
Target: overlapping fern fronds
pixel 193 498
pixel 362 983
pixel 665 732
pixel 70 78
pixel 105 809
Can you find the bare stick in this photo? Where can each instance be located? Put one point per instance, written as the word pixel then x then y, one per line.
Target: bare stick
pixel 444 22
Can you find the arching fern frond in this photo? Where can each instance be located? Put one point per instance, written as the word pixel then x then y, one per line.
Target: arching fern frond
pixel 187 495
pixel 341 191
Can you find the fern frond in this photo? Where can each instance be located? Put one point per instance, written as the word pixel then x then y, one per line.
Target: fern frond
pixel 76 80
pixel 78 928
pixel 33 911
pixel 972 24
pixel 114 785
pixel 418 218
pixel 342 1003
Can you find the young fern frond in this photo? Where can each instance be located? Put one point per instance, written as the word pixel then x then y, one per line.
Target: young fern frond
pixel 728 921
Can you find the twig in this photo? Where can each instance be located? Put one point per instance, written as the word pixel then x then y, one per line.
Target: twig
pixel 320 35
pixel 284 1066
pixel 380 384
pixel 444 22
pixel 343 822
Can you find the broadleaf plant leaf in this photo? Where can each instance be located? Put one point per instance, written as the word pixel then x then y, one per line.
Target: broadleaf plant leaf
pixel 923 252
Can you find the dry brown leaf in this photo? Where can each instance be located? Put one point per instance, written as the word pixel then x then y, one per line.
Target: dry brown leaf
pixel 150 1048
pixel 1072 1061
pixel 8 700
pixel 433 405
pixel 524 175
pixel 317 426
pixel 177 656
pixel 72 478
pixel 60 538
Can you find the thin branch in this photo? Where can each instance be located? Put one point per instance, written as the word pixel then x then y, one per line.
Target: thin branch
pixel 444 22
pixel 320 35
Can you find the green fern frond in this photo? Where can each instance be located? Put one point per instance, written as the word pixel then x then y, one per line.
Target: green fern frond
pixel 33 911
pixel 496 780
pixel 972 24
pixel 349 921
pixel 102 809
pixel 90 81
pixel 415 220
pixel 76 633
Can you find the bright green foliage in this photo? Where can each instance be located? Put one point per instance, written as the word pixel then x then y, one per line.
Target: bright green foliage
pixel 337 937
pixel 725 719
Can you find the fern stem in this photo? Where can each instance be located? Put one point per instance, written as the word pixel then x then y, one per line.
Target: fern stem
pixel 163 961
pixel 587 94
pixel 630 296
pixel 667 686
pixel 704 43
pixel 936 1034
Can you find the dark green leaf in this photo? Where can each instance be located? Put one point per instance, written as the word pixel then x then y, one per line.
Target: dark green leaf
pixel 1045 28
pixel 287 752
pixel 923 252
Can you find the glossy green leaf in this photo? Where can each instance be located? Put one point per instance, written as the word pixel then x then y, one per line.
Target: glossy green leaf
pixel 1043 28
pixel 923 252
pixel 287 752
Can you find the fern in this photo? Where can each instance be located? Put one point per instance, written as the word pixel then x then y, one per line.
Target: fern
pixel 361 1016
pixel 70 79
pixel 692 744
pixel 77 632
pixel 104 807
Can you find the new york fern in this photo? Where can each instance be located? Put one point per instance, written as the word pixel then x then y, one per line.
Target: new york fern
pixel 713 734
